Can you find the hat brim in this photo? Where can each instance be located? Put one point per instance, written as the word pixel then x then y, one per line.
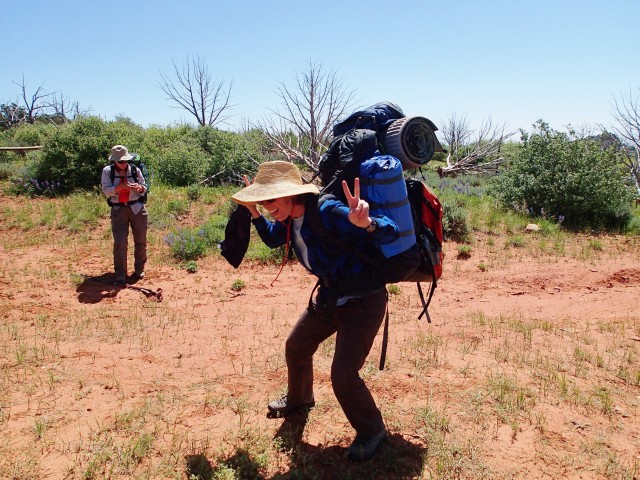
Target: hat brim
pixel 260 192
pixel 123 158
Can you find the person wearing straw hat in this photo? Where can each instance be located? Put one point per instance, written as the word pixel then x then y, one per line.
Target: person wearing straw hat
pixel 350 299
pixel 127 209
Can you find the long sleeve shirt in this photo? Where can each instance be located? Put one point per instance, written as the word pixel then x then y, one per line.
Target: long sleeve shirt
pixel 343 263
pixel 109 187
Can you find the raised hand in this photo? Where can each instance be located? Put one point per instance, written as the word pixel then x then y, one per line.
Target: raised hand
pixel 253 209
pixel 358 208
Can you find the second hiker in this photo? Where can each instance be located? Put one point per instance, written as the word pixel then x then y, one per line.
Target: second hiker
pixel 125 186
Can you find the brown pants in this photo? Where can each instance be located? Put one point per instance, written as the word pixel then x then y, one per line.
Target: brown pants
pixel 121 218
pixel 356 324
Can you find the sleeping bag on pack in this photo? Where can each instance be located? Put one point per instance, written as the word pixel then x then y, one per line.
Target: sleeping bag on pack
pixel 382 185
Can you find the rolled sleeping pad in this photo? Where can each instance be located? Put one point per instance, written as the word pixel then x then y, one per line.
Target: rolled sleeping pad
pixel 412 140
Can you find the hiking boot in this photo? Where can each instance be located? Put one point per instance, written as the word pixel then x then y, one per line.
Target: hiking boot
pixel 281 407
pixel 120 282
pixel 364 448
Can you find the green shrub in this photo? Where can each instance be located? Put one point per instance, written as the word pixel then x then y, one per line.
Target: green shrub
pixel 191 266
pixel 76 153
pixel 229 154
pixel 178 206
pixel 454 222
pixel 27 134
pixel 187 244
pixel 191 244
pixel 633 227
pixel 194 193
pixel 557 175
pixel 182 164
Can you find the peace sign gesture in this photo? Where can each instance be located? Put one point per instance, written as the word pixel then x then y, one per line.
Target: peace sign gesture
pixel 358 208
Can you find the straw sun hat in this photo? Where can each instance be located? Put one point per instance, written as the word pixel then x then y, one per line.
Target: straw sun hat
pixel 274 180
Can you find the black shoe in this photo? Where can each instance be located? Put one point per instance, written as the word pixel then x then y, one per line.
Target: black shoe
pixel 137 275
pixel 281 407
pixel 365 448
pixel 120 282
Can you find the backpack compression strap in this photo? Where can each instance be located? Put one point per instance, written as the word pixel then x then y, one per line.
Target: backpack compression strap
pixel 385 335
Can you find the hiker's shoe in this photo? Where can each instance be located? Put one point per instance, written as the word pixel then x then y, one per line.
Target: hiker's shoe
pixel 281 407
pixel 120 282
pixel 364 448
pixel 137 275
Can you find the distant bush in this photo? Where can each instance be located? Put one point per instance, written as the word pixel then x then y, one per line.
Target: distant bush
pixel 24 135
pixel 572 179
pixel 77 151
pixel 182 163
pixel 230 154
pixel 454 222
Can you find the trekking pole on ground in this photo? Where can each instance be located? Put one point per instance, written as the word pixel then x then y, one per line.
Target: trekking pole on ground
pixel 148 292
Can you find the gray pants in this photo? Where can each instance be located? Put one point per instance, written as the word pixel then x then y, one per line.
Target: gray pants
pixel 121 218
pixel 355 324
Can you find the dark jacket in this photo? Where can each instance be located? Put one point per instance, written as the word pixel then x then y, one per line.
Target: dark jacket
pixel 345 264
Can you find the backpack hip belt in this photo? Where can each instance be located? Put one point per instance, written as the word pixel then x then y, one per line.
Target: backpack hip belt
pixel 115 204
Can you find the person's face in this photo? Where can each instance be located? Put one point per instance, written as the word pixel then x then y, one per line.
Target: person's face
pixel 279 208
pixel 121 164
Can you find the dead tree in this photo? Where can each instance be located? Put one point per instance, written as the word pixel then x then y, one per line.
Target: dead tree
pixel 197 92
pixel 61 110
pixel 34 103
pixel 626 112
pixel 301 128
pixel 11 114
pixel 472 153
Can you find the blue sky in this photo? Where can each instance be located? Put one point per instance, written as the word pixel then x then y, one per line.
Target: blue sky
pixel 513 61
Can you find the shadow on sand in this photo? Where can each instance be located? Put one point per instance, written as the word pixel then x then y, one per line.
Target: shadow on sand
pixel 396 459
pixel 95 288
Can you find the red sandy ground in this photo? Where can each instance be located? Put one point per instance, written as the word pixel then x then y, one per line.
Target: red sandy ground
pixel 208 359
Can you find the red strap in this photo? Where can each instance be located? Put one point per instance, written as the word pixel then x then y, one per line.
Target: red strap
pixel 286 251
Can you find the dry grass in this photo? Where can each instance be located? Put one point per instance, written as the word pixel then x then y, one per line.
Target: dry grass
pixel 519 376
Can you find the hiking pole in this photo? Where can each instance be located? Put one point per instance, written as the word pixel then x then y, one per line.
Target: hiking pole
pixel 148 292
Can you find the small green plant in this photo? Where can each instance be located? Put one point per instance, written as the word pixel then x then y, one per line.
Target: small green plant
pixel 187 245
pixel 483 267
pixel 454 222
pixel 191 266
pixel 596 244
pixel 178 206
pixel 238 285
pixel 393 289
pixel 517 241
pixel 194 193
pixel 464 252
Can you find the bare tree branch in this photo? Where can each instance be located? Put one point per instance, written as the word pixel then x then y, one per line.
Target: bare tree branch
pixel 626 112
pixel 61 110
pixel 301 128
pixel 32 103
pixel 195 91
pixel 481 155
